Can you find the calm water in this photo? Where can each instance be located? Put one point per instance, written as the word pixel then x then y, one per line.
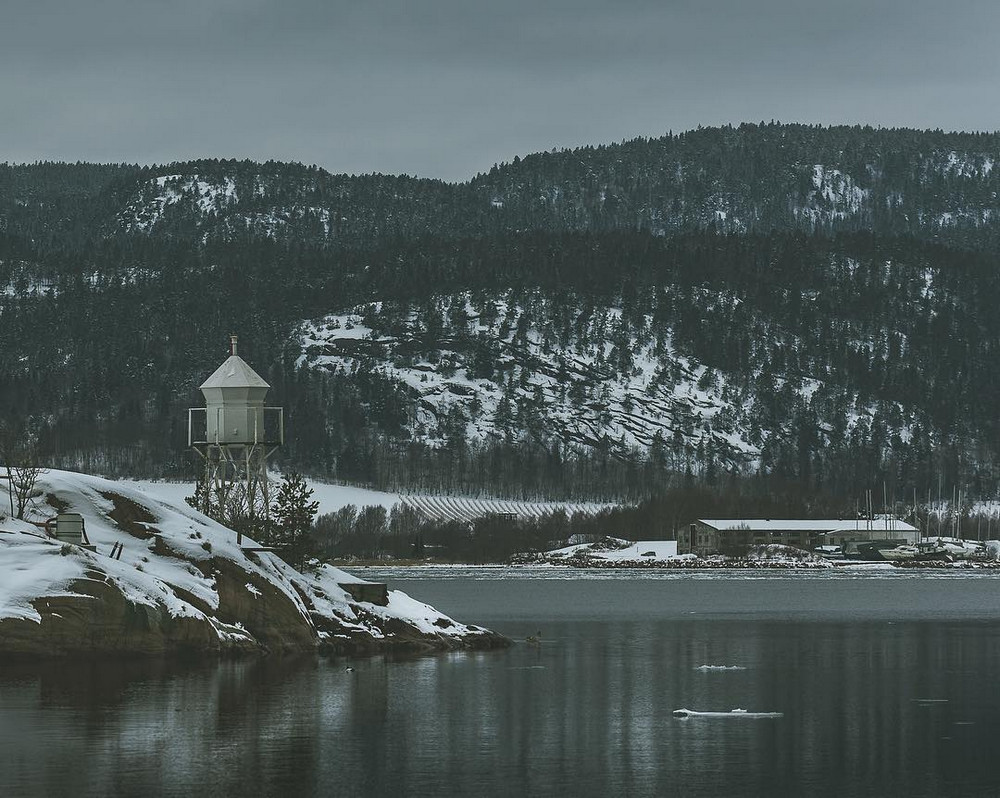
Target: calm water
pixel 887 682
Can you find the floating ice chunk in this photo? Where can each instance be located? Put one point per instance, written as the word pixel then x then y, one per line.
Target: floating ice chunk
pixel 733 713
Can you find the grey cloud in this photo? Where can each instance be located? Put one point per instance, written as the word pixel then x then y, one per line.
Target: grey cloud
pixel 445 88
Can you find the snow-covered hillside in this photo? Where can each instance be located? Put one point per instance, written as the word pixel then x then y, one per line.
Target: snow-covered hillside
pixel 507 367
pixel 182 583
pixel 223 209
pixel 143 212
pixel 807 299
pixel 736 180
pixel 576 392
pixel 835 196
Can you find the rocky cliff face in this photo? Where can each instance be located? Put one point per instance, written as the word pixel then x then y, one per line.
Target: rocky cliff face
pixel 182 585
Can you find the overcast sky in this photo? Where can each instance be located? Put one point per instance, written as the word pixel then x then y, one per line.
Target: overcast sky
pixel 447 88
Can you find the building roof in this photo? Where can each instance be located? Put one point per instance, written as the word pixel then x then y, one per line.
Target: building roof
pixel 809 525
pixel 234 372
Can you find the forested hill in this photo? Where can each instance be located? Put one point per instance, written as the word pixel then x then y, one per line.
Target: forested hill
pixel 816 305
pixel 751 178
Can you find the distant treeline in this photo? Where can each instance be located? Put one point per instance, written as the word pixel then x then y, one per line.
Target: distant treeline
pixel 376 534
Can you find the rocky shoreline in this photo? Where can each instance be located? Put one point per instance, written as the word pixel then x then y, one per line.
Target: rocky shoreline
pixel 181 585
pixel 720 563
pixel 973 565
pixel 92 617
pixel 676 565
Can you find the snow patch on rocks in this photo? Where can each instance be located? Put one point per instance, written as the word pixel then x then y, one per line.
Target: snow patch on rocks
pixel 177 565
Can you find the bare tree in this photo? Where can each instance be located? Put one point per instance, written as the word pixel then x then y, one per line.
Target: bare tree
pixel 20 459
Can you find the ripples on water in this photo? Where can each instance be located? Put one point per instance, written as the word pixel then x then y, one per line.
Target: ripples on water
pixel 887 686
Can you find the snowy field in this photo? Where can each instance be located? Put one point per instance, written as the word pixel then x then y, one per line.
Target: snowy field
pixel 332 498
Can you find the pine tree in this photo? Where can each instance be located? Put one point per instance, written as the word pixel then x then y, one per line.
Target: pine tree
pixel 292 518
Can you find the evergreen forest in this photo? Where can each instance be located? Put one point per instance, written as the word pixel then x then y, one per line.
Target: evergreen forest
pixel 795 310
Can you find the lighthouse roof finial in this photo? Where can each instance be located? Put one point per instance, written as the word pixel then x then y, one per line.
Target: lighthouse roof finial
pixel 235 372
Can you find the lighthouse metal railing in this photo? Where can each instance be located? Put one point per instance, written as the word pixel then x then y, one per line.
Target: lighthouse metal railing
pixel 262 425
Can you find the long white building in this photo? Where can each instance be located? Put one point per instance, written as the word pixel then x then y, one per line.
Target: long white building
pixel 712 536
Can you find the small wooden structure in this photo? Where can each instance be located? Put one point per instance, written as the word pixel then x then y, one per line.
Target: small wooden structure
pixel 71 528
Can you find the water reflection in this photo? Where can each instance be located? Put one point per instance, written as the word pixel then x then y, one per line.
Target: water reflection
pixel 870 708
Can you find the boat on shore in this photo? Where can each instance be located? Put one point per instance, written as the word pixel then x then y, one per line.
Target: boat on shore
pixel 944 549
pixel 870 550
pixel 918 551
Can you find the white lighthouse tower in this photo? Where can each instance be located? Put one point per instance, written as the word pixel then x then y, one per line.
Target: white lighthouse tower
pixel 235 434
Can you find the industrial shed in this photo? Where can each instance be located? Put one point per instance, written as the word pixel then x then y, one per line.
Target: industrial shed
pixel 713 536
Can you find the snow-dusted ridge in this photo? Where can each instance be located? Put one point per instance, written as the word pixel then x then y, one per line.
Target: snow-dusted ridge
pixel 182 584
pixel 835 197
pixel 581 399
pixel 506 365
pixel 222 207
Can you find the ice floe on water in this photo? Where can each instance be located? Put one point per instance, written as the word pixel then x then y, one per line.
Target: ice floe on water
pixel 733 713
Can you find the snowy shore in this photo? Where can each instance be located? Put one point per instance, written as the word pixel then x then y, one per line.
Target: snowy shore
pixel 611 553
pixel 183 585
